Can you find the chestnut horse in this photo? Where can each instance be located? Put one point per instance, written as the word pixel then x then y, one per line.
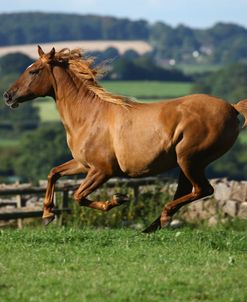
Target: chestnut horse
pixel 111 135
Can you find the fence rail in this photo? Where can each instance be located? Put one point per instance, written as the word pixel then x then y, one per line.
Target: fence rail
pixel 63 187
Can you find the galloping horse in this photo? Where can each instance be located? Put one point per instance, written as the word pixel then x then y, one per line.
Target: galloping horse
pixel 111 135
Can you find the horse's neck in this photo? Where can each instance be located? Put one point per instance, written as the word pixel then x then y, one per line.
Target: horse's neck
pixel 75 105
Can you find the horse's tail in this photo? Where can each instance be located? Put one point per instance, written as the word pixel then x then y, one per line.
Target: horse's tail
pixel 241 108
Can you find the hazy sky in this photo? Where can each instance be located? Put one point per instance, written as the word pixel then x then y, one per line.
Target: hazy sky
pixel 194 13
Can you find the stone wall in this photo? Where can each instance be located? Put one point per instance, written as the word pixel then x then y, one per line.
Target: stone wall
pixel 229 200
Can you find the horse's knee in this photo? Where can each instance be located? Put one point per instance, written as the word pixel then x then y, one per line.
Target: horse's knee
pixel 80 199
pixel 53 175
pixel 76 197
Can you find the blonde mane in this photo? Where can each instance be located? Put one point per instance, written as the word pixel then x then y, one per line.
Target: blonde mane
pixel 82 68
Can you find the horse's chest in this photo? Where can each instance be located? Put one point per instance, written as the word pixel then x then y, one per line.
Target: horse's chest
pixel 76 147
pixel 83 150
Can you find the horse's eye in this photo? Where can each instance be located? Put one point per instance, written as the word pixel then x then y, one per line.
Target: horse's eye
pixel 34 71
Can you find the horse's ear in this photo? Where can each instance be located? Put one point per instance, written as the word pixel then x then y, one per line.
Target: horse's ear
pixel 40 51
pixel 51 54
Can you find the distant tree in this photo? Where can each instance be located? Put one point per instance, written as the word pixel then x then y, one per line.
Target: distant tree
pixel 14 121
pixel 7 157
pixel 221 32
pixel 235 51
pixel 162 39
pixel 110 53
pixel 41 150
pixel 228 83
pixel 187 39
pixel 233 164
pixel 14 63
pixel 24 28
pixel 143 68
pixel 131 54
pixel 123 69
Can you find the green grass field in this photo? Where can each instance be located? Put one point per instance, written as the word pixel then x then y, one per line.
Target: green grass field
pixel 47 110
pixel 192 69
pixel 141 90
pixel 9 142
pixel 148 89
pixel 70 264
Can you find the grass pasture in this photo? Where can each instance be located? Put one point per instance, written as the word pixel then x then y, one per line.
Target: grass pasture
pixel 71 264
pixel 192 69
pixel 8 142
pixel 47 109
pixel 148 90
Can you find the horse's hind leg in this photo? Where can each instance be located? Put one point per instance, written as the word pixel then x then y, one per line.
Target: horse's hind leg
pixel 184 187
pixel 95 178
pixel 201 188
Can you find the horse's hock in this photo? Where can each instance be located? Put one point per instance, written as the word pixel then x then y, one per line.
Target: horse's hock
pixel 229 200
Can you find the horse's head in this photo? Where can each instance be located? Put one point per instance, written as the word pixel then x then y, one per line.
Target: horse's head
pixel 34 82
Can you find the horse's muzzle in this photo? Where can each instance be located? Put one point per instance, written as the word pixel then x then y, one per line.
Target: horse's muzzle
pixel 9 101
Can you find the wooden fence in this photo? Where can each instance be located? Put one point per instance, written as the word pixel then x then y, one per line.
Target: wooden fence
pixel 19 210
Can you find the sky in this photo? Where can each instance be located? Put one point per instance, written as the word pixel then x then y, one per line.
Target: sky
pixel 194 13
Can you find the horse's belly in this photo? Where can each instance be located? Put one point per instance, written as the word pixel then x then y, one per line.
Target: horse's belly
pixel 135 165
pixel 144 151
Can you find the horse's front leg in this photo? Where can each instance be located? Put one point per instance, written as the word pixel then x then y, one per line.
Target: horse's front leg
pixel 71 167
pixel 95 178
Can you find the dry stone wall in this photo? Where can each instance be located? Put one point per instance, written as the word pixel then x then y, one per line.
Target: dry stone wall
pixel 229 200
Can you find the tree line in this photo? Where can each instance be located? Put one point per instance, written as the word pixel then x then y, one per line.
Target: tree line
pixel 219 44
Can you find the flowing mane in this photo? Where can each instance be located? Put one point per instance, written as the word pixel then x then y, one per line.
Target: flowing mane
pixel 82 68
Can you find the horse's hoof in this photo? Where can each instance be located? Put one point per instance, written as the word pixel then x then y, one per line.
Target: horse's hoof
pixel 48 220
pixel 156 225
pixel 121 198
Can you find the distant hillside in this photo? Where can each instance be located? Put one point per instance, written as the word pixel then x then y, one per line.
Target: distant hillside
pixel 220 44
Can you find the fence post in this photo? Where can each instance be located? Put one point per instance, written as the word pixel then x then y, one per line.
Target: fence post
pixel 136 193
pixel 65 199
pixel 19 205
pixel 64 205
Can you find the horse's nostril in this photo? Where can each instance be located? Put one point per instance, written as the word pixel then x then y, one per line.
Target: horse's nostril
pixel 6 95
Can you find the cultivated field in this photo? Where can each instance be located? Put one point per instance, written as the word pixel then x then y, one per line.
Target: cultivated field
pixel 71 264
pixel 141 90
pixel 31 49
